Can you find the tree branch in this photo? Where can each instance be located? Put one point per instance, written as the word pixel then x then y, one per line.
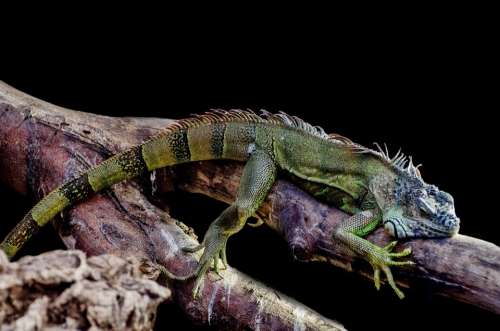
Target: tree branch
pixel 42 145
pixel 462 268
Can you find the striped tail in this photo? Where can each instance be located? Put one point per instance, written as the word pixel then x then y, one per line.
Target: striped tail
pixel 204 138
pixel 122 166
pixel 180 143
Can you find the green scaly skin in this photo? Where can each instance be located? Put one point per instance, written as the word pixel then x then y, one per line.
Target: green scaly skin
pixel 375 189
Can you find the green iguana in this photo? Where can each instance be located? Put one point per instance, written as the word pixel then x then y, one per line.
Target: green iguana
pixel 368 184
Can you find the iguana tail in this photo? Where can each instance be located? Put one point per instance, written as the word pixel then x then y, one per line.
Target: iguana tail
pixel 122 166
pixel 184 141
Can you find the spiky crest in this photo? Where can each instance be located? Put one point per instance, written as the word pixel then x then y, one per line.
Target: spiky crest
pixel 399 160
pixel 281 119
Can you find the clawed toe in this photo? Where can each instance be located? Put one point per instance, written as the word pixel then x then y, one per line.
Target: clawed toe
pixel 389 247
pixel 215 251
pixel 382 258
pixel 404 252
pixel 390 279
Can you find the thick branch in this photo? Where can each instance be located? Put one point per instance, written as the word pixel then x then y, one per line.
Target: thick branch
pixel 463 268
pixel 42 145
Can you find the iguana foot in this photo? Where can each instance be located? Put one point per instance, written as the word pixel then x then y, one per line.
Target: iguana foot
pixel 381 258
pixel 215 250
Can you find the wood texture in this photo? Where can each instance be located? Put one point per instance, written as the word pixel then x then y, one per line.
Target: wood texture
pixel 42 145
pixel 53 143
pixel 63 290
pixel 462 268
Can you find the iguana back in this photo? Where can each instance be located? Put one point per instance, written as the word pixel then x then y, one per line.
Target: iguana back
pixel 361 181
pixel 215 135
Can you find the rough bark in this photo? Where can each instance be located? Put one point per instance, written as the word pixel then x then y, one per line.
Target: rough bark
pixel 42 145
pixel 462 268
pixel 63 290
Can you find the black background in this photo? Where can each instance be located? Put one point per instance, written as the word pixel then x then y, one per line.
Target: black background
pixel 428 90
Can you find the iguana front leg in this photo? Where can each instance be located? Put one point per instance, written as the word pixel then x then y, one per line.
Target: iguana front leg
pixel 380 258
pixel 258 176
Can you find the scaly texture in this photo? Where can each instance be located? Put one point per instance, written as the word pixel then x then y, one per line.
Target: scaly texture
pixel 366 183
pixel 52 144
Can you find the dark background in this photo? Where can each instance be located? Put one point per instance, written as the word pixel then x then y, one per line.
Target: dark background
pixel 428 90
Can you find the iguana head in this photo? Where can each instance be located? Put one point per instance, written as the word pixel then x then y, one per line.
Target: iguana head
pixel 411 208
pixel 420 210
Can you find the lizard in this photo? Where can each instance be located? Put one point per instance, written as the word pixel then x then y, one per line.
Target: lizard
pixel 375 189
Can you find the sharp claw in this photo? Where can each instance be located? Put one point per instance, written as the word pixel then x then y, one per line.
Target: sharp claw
pixel 376 278
pixel 203 266
pixel 401 263
pixel 215 251
pixel 391 282
pixel 390 246
pixel 382 260
pixel 214 244
pixel 400 294
pixel 404 252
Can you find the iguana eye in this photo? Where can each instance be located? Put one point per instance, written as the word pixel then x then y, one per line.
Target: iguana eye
pixel 425 207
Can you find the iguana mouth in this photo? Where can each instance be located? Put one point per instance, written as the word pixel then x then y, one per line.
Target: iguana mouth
pixel 450 228
pixel 415 227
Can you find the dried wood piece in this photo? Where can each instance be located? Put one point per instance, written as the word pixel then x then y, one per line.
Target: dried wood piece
pixel 63 290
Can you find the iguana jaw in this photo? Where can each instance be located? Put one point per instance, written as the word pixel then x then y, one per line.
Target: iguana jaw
pixel 401 226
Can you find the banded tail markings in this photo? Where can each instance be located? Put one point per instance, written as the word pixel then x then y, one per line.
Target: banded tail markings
pixel 206 142
pixel 233 136
pixel 167 149
pixel 238 139
pixel 123 166
pixel 126 165
pixel 77 189
pixel 37 217
pixel 132 162
pixel 217 142
pixel 21 233
pixel 49 207
pixel 179 145
pixel 199 141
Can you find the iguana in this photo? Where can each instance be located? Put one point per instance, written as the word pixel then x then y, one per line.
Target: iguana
pixel 374 188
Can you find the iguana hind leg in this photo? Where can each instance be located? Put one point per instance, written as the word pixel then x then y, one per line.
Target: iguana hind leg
pixel 258 176
pixel 380 258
